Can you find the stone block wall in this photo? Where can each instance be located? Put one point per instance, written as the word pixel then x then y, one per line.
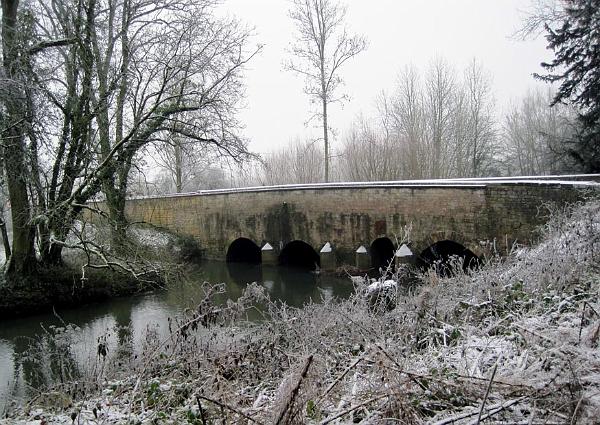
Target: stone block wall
pixel 348 217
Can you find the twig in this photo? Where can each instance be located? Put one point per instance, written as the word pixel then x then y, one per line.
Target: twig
pixel 574 418
pixel 487 392
pixel 351 409
pixel 411 376
pixel 225 406
pixel 500 408
pixel 585 306
pixel 201 410
pixel 581 323
pixel 534 333
pixel 493 408
pixel 339 378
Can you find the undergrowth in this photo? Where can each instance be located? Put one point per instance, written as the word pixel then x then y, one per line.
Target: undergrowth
pixel 515 341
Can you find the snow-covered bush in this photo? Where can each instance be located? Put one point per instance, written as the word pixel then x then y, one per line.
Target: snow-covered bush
pixel 515 341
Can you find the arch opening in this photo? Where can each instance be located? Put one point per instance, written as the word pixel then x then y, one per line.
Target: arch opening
pixel 299 254
pixel 382 253
pixel 446 255
pixel 243 250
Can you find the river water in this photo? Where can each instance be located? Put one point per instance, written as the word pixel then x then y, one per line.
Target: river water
pixel 150 311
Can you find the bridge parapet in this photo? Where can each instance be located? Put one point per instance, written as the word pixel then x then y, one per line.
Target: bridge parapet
pixel 348 215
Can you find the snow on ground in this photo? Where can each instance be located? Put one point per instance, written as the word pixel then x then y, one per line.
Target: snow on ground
pixel 151 236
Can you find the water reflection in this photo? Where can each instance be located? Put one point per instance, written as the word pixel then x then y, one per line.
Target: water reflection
pixel 12 382
pixel 116 321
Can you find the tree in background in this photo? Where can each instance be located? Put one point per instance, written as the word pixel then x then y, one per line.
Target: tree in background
pixel 540 14
pixel 574 36
pixel 300 162
pixel 322 47
pixel 534 133
pixel 481 132
pixel 438 125
pixel 183 164
pixel 370 153
pixel 439 105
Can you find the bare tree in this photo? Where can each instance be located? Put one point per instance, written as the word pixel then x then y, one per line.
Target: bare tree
pixel 537 15
pixel 186 164
pixel 89 85
pixel 370 153
pixel 440 95
pixel 300 162
pixel 436 126
pixel 406 115
pixel 14 149
pixel 481 141
pixel 322 47
pixel 534 133
pixel 174 68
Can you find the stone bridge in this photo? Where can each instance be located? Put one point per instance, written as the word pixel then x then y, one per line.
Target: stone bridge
pixel 328 223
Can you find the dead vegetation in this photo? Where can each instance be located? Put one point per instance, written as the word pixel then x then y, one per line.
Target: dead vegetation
pixel 515 342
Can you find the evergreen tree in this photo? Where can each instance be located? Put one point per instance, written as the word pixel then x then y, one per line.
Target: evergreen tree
pixel 576 66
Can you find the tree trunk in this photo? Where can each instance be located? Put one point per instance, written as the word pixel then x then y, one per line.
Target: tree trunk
pixel 178 168
pixel 326 140
pixel 5 240
pixel 22 260
pixel 115 203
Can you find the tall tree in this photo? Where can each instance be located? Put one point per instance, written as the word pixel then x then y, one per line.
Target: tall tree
pixel 139 71
pixel 88 85
pixel 533 133
pixel 14 150
pixel 439 125
pixel 480 124
pixel 178 73
pixel 322 47
pixel 299 162
pixel 407 118
pixel 440 90
pixel 575 40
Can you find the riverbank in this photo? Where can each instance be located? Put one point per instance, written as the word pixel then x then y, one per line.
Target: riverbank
pixel 151 255
pixel 516 341
pixel 64 287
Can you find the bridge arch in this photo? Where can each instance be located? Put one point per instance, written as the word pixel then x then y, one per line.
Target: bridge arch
pixel 382 253
pixel 299 254
pixel 243 250
pixel 441 254
pixel 455 235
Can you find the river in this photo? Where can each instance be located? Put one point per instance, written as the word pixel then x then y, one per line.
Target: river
pixel 145 312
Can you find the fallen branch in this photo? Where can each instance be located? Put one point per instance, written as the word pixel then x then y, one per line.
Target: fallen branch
pixel 494 409
pixel 492 412
pixel 339 378
pixel 296 389
pixel 487 392
pixel 226 406
pixel 353 408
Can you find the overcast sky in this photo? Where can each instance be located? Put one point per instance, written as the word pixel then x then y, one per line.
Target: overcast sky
pixel 400 32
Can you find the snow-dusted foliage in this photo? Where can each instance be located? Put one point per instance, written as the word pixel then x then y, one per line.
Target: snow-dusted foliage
pixel 515 342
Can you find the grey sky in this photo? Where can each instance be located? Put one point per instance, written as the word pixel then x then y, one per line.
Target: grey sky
pixel 399 32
